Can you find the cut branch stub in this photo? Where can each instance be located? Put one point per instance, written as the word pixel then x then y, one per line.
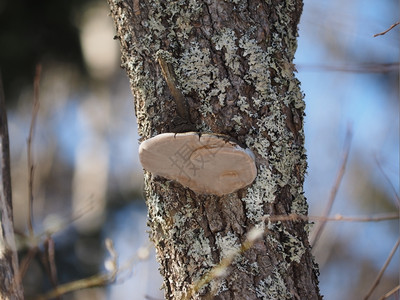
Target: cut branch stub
pixel 205 163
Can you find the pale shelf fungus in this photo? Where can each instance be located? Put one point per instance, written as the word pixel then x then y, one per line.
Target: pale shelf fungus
pixel 206 163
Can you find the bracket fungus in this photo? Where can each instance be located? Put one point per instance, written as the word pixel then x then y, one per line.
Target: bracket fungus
pixel 205 163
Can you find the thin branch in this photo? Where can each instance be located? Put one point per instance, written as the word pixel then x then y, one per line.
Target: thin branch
pixel 96 280
pixel 320 227
pixel 50 261
pixel 337 217
pixel 357 68
pixel 376 218
pixel 387 30
pixel 26 260
pixel 390 293
pixel 35 110
pixel 378 278
pixel 389 181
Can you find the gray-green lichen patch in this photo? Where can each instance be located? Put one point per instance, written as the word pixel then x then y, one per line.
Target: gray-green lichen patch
pixel 233 1
pixel 273 287
pixel 200 249
pixel 182 235
pixel 185 17
pixel 157 209
pixel 228 245
pixel 155 25
pixel 237 119
pixel 165 55
pixel 226 40
pixel 286 164
pixel 290 246
pixel 261 191
pixel 144 89
pixel 285 36
pixel 173 225
pixel 259 144
pixel 220 90
pixel 243 104
pixel 171 20
pixel 197 74
pixel 294 247
pixel 259 63
pixel 222 286
pixel 299 204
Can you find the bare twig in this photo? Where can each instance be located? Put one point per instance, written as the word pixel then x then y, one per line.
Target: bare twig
pixel 356 68
pixel 337 217
pixel 380 274
pixel 387 30
pixel 390 293
pixel 35 110
pixel 96 280
pixel 389 181
pixel 320 227
pixel 51 262
pixel 26 260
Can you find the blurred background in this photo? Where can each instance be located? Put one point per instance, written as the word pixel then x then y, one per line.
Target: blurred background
pixel 88 180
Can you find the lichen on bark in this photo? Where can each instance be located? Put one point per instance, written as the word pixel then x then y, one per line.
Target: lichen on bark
pixel 234 65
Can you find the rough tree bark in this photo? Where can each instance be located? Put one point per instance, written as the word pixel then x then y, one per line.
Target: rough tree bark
pixel 10 283
pixel 233 62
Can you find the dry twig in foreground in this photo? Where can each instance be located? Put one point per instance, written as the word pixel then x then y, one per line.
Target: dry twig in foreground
pixel 220 270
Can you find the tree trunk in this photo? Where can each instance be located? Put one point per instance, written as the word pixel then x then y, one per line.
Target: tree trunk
pixel 10 283
pixel 233 63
